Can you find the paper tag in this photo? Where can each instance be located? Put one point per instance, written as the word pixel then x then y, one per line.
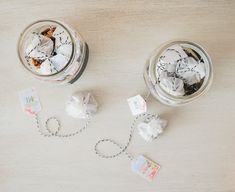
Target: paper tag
pixel 145 167
pixel 137 105
pixel 29 101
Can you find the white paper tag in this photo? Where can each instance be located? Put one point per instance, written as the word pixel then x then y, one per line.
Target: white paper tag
pixel 30 101
pixel 137 105
pixel 145 167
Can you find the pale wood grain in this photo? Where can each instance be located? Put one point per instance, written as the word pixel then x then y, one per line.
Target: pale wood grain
pixel 197 152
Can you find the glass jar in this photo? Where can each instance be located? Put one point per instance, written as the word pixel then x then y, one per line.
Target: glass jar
pixel 53 51
pixel 167 73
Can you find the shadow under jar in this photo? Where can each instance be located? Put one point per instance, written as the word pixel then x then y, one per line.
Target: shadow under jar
pixel 178 73
pixel 53 51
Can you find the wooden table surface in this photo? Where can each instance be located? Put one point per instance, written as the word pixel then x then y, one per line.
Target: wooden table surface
pixel 197 150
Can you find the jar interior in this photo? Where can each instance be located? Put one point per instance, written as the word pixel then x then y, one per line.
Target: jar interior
pixel 177 80
pixel 45 48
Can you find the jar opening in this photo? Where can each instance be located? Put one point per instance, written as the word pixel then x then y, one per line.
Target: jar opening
pixel 179 72
pixel 46 48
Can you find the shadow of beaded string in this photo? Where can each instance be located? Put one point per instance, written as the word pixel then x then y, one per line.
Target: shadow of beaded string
pixel 58 129
pixel 121 147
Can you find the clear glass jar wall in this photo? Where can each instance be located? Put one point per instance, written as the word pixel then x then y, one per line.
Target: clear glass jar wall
pixel 52 51
pixel 178 73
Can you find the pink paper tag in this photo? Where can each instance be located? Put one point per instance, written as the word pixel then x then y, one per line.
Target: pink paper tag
pixel 145 167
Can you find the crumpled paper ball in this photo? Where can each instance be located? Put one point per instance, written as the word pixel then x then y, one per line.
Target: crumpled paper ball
pixel 81 105
pixel 63 44
pixel 65 50
pixel 50 50
pixel 190 70
pixel 180 70
pixel 172 54
pixel 53 64
pixel 173 86
pixel 152 129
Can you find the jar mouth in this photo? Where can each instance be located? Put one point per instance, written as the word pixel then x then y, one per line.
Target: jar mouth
pixel 162 95
pixel 27 31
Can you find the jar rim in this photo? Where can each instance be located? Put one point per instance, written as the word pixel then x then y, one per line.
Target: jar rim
pixel 21 42
pixel 159 92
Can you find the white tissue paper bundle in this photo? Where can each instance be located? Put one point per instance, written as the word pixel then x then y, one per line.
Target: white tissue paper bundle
pixel 65 50
pixel 173 85
pixel 46 68
pixel 63 44
pixel 190 70
pixel 150 130
pixel 53 64
pixel 49 50
pixel 81 105
pixel 39 47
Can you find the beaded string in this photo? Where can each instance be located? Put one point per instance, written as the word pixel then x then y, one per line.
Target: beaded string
pixel 56 133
